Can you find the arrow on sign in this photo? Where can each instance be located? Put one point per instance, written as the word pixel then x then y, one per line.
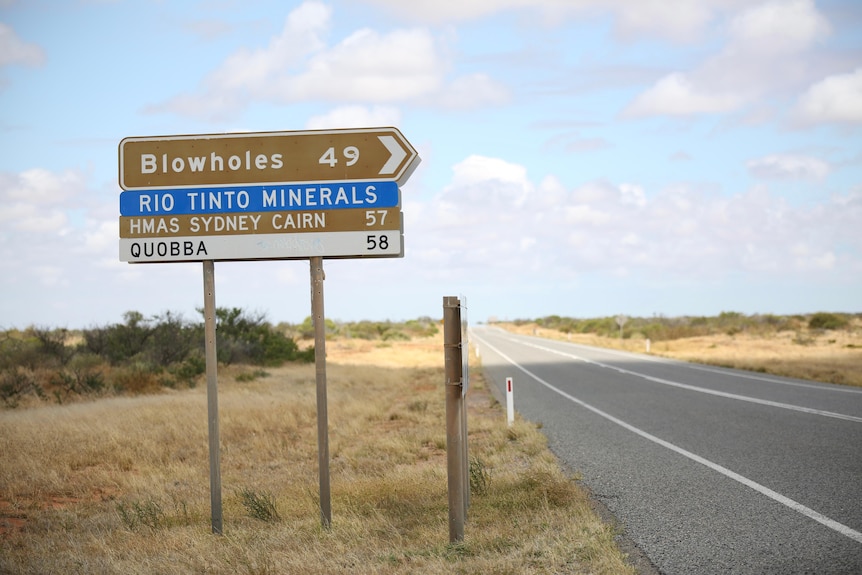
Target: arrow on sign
pixel 397 155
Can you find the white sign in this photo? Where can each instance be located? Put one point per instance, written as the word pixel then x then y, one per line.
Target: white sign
pixel 378 243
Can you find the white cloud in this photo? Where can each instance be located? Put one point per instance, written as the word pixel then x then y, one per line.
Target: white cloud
pixel 39 186
pixel 767 51
pixel 808 258
pixel 253 69
pixel 480 184
pixel 355 117
pixel 369 66
pixel 481 169
pixel 53 228
pixel 365 67
pixel 632 194
pixel 35 200
pixel 472 91
pixel 789 167
pixel 582 214
pixel 675 19
pixel 492 215
pixel 13 50
pixel 101 237
pixel 440 11
pixel 51 276
pixel 834 99
pixel 676 95
pixel 778 26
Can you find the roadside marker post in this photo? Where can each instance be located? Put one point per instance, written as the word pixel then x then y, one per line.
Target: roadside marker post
pixel 510 402
pixel 456 439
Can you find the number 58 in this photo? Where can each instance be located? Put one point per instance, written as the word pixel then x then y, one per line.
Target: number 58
pixel 374 242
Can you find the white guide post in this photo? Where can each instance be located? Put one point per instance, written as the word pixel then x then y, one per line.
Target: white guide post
pixel 510 402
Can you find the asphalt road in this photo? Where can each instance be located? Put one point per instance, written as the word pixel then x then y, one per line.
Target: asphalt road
pixel 707 470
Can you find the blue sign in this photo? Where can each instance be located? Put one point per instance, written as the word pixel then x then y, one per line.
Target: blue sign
pixel 265 198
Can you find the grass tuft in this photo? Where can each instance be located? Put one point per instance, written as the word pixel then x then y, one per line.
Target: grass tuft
pixel 259 505
pixel 147 514
pixel 480 477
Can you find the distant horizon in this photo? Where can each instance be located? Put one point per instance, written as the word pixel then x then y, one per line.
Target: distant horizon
pixel 440 317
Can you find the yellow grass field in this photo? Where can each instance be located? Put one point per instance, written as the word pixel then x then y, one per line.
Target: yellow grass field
pixel 121 485
pixel 818 355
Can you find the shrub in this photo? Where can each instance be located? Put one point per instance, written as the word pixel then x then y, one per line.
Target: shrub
pixel 136 378
pixel 16 383
pixel 188 371
pixel 52 344
pixel 825 320
pixel 251 375
pixel 172 339
pixel 259 505
pixel 19 350
pixel 119 342
pixel 245 338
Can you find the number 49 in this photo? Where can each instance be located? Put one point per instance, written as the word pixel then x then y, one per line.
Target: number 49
pixel 350 153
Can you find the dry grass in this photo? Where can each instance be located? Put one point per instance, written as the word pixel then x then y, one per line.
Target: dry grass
pixel 816 355
pixel 122 485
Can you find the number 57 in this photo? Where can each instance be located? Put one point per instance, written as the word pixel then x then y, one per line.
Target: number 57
pixel 371 217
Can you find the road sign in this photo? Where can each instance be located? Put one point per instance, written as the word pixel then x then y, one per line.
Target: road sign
pixel 236 159
pixel 262 235
pixel 270 197
pixel 249 223
pixel 357 244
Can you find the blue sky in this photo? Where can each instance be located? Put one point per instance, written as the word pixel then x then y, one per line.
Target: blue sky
pixel 579 157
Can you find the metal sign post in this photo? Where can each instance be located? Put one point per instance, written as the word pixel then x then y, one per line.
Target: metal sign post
pixel 319 322
pixel 212 395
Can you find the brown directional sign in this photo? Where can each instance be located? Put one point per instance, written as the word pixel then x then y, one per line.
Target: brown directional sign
pixel 363 154
pixel 249 223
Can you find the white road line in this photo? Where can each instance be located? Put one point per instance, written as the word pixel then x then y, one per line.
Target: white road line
pixel 727 371
pixel 695 388
pixel 829 387
pixel 763 490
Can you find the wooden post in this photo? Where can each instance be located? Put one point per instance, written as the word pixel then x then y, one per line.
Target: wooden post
pixel 212 395
pixel 319 321
pixel 454 406
pixel 465 456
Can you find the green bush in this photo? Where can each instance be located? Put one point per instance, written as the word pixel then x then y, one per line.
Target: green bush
pixel 188 371
pixel 143 354
pixel 172 339
pixel 136 378
pixel 825 320
pixel 16 383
